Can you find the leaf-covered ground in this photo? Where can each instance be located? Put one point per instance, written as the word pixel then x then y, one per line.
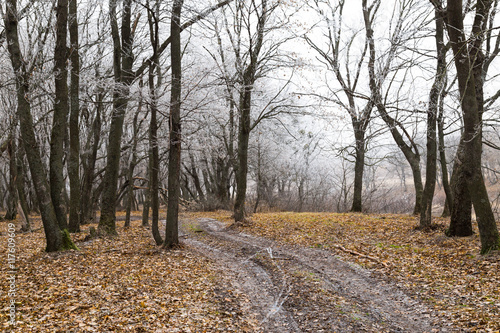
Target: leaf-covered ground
pixel 124 284
pixel 447 273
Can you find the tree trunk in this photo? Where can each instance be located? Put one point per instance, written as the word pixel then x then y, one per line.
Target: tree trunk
pixel 12 199
pixel 359 166
pixel 245 107
pixel 131 168
pixel 60 116
pixel 74 128
pixel 461 209
pixel 87 203
pixel 243 138
pixel 174 154
pixel 50 223
pixel 145 208
pixel 21 193
pixel 444 166
pixel 154 160
pixel 432 111
pixel 196 179
pixel 466 59
pixel 122 63
pixel 410 151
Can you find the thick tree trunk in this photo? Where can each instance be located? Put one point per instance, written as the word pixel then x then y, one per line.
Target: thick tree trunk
pixel 461 209
pixel 430 172
pixel 359 167
pixel 53 234
pixel 245 109
pixel 243 138
pixel 60 116
pixel 466 58
pixel 174 154
pixel 122 63
pixel 74 128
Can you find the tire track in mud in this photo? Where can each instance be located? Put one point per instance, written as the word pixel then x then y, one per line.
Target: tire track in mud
pixel 296 289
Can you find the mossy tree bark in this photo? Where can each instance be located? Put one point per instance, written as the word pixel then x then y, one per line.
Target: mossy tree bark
pixel 53 234
pixel 468 58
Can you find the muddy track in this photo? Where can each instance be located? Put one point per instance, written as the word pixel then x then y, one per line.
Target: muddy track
pixel 296 289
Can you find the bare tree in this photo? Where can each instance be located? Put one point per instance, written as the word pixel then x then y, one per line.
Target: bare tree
pixel 349 81
pixel 435 103
pixel 468 62
pixel 56 238
pixel 74 127
pixel 377 79
pixel 174 153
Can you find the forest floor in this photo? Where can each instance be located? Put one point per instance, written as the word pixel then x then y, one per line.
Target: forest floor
pixel 283 272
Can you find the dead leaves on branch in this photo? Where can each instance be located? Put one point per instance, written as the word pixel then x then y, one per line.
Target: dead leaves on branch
pixel 124 284
pixel 447 273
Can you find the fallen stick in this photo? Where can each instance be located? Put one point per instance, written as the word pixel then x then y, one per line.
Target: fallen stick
pixel 340 247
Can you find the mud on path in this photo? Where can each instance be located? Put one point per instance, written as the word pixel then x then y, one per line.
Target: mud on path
pixel 297 289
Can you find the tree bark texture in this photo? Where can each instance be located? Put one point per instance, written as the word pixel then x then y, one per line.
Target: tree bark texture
pixel 174 154
pixel 74 129
pixel 20 181
pixel 60 116
pixel 86 202
pixel 461 208
pixel 443 164
pixel 154 161
pixel 11 212
pixel 432 112
pixel 245 106
pixel 359 166
pixel 467 57
pixel 122 64
pixel 50 223
pixel 131 168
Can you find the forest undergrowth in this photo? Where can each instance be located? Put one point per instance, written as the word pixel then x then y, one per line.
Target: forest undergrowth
pixel 122 284
pixel 128 284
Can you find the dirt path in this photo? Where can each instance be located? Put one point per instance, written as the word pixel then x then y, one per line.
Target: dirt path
pixel 296 289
